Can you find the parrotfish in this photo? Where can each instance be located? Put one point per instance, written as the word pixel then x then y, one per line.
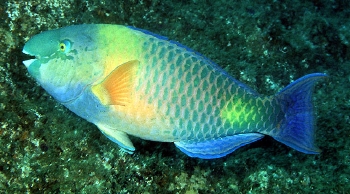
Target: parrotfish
pixel 129 81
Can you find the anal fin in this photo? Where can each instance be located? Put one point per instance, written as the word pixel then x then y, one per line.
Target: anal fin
pixel 217 148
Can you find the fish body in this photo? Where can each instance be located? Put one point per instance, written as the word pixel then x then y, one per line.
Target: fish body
pixel 129 81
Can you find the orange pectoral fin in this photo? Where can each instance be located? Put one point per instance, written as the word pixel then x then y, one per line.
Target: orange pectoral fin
pixel 116 88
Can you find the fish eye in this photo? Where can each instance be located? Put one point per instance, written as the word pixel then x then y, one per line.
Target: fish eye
pixel 65 46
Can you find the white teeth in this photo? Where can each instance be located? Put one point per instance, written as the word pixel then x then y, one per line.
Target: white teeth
pixel 25 52
pixel 28 62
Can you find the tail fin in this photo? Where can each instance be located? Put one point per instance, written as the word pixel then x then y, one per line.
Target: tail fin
pixel 297 127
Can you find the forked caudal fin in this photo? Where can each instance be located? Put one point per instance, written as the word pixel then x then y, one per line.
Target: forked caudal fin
pixel 297 128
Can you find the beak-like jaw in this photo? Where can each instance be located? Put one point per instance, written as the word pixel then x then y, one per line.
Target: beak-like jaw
pixel 33 65
pixel 41 46
pixel 27 63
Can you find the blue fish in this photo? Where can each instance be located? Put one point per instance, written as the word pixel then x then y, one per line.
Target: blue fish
pixel 131 82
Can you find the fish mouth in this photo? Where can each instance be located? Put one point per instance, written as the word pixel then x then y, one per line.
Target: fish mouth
pixel 28 62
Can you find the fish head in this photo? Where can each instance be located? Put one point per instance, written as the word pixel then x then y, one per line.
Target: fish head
pixel 66 60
